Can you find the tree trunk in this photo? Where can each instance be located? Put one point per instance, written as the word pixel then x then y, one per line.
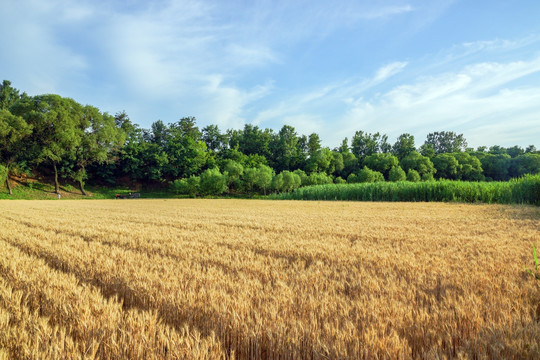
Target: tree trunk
pixel 56 185
pixel 81 187
pixel 8 186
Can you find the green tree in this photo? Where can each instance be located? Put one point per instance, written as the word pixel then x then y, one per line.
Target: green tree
pixel 213 182
pixel 446 165
pixel 368 175
pixel 303 176
pixel 277 182
pixel 470 167
pixel 403 146
pixel 446 142
pixel 100 139
pixel 415 161
pixel 317 179
pixel 320 161
pixel 496 167
pixel 313 144
pixel 233 170
pixel 515 151
pixel 286 152
pixel 365 144
pixel 352 179
pixel 4 175
pixel 8 95
pixel 213 138
pixel 189 186
pixel 291 181
pixel 55 121
pixel 337 164
pixel 255 141
pixel 141 159
pixel 381 162
pixel 525 164
pixel 263 179
pixel 249 177
pixel 497 150
pixel 350 164
pixel 428 150
pixel 185 149
pixel 344 147
pixel 397 174
pixel 413 175
pixel 13 131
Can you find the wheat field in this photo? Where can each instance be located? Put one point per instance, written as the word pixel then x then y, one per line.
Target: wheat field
pixel 249 279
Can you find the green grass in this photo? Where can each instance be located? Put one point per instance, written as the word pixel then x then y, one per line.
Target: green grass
pixel 36 190
pixel 525 190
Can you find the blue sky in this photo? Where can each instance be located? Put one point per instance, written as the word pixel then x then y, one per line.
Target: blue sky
pixel 331 67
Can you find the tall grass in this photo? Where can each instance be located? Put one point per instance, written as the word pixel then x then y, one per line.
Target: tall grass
pixel 525 190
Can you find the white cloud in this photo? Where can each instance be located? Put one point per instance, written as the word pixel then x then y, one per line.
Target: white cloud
pixel 389 70
pixel 32 55
pixel 482 100
pixel 386 11
pixel 477 101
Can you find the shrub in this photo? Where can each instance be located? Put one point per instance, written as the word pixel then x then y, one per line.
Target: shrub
pixel 427 177
pixel 369 176
pixel 397 174
pixel 291 181
pixel 413 175
pixel 352 179
pixel 189 186
pixel 277 182
pixel 317 179
pixel 213 182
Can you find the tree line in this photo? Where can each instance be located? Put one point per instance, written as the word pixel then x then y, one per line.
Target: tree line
pixel 50 134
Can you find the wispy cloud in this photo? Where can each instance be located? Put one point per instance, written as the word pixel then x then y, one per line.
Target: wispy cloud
pixel 389 70
pixel 484 100
pixel 386 11
pixel 478 100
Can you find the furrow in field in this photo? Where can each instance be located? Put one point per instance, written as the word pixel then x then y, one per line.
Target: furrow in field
pixel 98 326
pixel 146 289
pixel 24 334
pixel 208 300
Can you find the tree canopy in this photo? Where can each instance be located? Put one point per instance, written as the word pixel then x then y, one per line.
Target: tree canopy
pixel 53 135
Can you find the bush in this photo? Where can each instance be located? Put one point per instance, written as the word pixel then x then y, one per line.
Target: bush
pixel 413 175
pixel 189 186
pixel 427 177
pixel 277 182
pixel 213 182
pixel 369 176
pixel 317 179
pixel 180 186
pixel 397 174
pixel 352 179
pixel 291 181
pixel 340 180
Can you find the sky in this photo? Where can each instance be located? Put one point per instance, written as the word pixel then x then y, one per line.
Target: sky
pixel 330 67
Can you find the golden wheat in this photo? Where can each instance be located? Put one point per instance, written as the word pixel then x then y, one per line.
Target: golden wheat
pixel 264 279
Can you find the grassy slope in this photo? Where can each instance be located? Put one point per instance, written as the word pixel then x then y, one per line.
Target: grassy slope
pixel 36 190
